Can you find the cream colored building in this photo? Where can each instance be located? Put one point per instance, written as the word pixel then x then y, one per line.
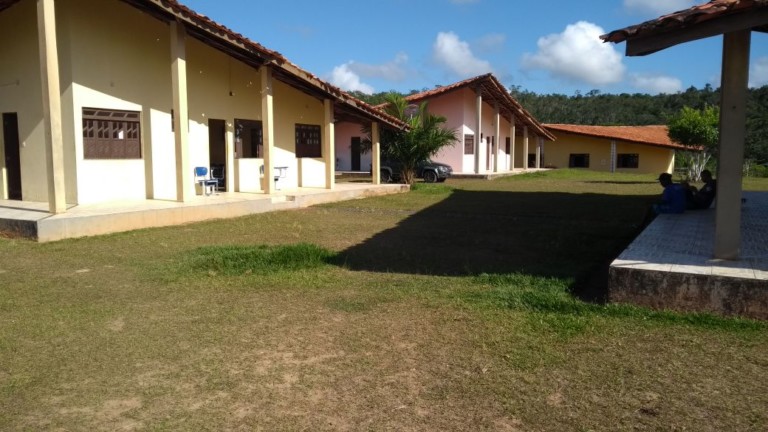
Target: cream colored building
pixel 496 134
pixel 635 149
pixel 106 100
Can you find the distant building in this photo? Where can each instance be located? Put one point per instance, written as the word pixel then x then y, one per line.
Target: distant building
pixel 496 134
pixel 636 149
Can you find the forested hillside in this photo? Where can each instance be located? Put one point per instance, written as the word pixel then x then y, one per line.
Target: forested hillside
pixel 595 108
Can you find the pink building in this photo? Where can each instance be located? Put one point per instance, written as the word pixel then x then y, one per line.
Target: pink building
pixel 496 134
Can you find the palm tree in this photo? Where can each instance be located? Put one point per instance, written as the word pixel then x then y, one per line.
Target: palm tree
pixel 424 137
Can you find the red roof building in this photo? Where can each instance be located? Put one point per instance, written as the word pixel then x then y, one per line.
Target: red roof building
pixel 637 149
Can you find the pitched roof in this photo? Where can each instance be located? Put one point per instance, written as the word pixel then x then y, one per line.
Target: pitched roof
pixel 493 92
pixel 256 55
pixel 711 18
pixel 655 135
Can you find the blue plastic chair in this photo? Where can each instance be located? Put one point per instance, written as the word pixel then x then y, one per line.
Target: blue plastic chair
pixel 201 177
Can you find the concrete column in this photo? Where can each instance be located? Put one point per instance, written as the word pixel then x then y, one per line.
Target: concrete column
pixel 268 128
pixel 478 130
pixel 733 103
pixel 497 134
pixel 49 77
pixel 329 147
pixel 375 153
pixel 525 148
pixel 512 144
pixel 613 156
pixel 539 146
pixel 229 179
pixel 185 187
pixel 148 154
pixel 540 162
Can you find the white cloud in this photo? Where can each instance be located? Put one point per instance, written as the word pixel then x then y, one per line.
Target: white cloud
pixel 490 42
pixel 394 70
pixel 656 84
pixel 456 56
pixel 658 7
pixel 758 75
pixel 578 54
pixel 344 78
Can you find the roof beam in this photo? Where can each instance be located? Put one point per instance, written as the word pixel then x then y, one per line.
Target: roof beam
pixel 640 46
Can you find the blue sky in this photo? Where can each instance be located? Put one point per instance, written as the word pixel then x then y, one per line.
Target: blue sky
pixel 543 46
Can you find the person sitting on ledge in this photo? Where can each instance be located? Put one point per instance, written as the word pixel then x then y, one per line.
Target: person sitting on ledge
pixel 673 197
pixel 702 198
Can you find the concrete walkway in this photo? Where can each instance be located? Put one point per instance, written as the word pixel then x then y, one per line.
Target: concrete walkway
pixel 32 219
pixel 670 265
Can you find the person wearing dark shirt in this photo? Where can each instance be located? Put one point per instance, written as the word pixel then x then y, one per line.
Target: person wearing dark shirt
pixel 673 197
pixel 703 198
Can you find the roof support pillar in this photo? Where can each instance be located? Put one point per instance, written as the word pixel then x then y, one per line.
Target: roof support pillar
pixel 375 153
pixel 613 156
pixel 497 137
pixel 329 149
pixel 268 128
pixel 539 151
pixel 478 129
pixel 229 144
pixel 49 75
pixel 733 102
pixel 512 144
pixel 184 184
pixel 525 148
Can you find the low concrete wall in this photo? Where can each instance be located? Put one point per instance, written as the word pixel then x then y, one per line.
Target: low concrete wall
pixel 689 292
pixel 58 227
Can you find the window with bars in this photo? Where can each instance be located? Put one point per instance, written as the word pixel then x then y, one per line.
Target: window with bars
pixel 469 144
pixel 249 139
pixel 308 144
pixel 578 160
pixel 111 134
pixel 627 160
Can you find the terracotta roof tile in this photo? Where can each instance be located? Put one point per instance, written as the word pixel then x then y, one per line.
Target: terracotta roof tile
pixel 685 18
pixel 655 135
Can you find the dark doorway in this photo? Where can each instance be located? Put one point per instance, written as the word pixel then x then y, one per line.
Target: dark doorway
pixel 531 160
pixel 12 155
pixel 249 139
pixel 217 150
pixel 356 153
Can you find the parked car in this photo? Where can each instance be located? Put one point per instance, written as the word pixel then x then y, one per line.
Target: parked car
pixel 428 170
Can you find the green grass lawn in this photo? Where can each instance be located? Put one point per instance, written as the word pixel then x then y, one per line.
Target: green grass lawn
pixel 452 307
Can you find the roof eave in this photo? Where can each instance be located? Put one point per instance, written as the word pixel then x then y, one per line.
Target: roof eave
pixel 689 25
pixel 257 56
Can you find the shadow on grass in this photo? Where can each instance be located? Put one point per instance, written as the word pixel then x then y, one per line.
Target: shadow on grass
pixel 563 235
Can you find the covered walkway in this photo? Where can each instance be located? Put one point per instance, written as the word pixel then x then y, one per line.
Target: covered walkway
pixel 33 220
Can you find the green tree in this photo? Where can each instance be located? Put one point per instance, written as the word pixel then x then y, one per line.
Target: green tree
pixel 423 138
pixel 699 131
